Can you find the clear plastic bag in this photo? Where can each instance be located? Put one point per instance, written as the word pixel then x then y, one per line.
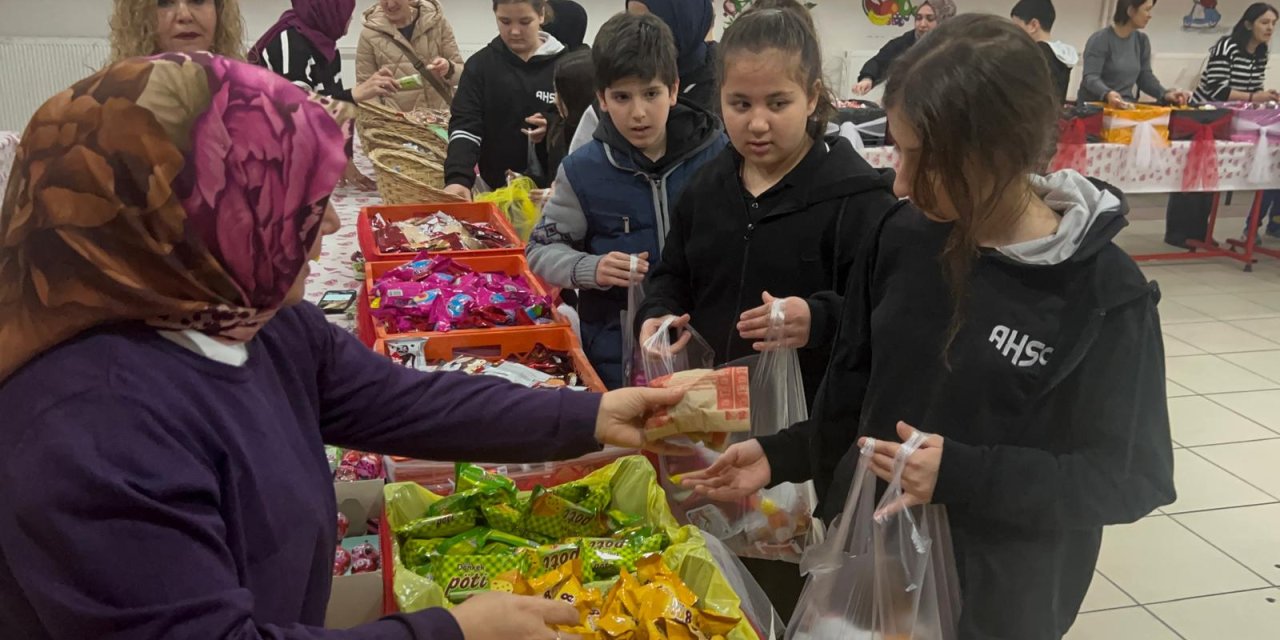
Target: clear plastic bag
pixel 889 576
pixel 756 606
pixel 657 358
pixel 773 524
pixel 630 356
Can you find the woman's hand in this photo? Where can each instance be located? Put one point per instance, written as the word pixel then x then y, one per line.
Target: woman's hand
pixel 864 87
pixel 537 130
pixel 502 616
pixel 614 269
pixel 1178 97
pixel 754 324
pixel 353 178
pixel 1263 97
pixel 1117 101
pixel 459 191
pixel 919 476
pixel 378 85
pixel 740 472
pixel 623 413
pixel 652 325
pixel 440 67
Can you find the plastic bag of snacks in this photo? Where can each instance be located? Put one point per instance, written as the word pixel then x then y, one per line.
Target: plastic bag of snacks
pixel 436 293
pixel 516 201
pixel 773 524
pixel 623 497
pixel 883 577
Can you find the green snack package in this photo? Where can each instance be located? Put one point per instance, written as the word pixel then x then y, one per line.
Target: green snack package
pixel 604 558
pixel 510 540
pixel 553 556
pixel 419 552
pixel 464 544
pixel 494 549
pixel 502 517
pixel 551 515
pixel 593 498
pixel 459 501
pixel 440 526
pixel 621 520
pixel 464 576
pixel 470 477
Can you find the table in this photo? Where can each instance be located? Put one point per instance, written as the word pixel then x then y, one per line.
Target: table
pixel 333 271
pixel 1109 162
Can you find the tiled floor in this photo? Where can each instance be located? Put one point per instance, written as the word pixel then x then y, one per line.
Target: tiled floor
pixel 1208 566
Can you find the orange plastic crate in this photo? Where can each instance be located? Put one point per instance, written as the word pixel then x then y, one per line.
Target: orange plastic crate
pixel 511 265
pixel 467 211
pixel 497 345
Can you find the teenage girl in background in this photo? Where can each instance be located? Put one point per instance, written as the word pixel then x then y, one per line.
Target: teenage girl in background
pixel 781 212
pixel 995 312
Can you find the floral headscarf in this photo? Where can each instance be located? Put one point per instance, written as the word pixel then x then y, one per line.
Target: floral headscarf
pixel 182 191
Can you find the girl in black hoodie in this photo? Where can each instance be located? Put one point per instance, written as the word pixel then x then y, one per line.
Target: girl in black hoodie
pixel 995 312
pixel 779 213
pixel 504 96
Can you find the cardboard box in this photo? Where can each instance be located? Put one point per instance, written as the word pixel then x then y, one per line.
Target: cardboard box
pixel 357 599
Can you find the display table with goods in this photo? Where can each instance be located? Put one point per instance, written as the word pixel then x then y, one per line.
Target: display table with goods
pixel 606 543
pixel 1209 149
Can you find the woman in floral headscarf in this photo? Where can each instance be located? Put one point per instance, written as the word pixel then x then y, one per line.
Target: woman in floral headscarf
pixel 167 396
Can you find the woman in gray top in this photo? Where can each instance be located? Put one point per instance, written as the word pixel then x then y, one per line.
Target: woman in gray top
pixel 1117 61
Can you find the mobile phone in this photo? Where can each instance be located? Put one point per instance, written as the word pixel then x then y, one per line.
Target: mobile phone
pixel 335 302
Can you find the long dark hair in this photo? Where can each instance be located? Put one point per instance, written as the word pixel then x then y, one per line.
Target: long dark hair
pixel 979 97
pixel 758 31
pixel 1243 32
pixel 574 81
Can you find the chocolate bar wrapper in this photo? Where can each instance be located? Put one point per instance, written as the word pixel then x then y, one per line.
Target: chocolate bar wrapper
pixel 441 526
pixel 607 557
pixel 715 403
pixel 462 577
pixel 551 515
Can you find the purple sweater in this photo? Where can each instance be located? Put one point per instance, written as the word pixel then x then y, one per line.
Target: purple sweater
pixel 147 492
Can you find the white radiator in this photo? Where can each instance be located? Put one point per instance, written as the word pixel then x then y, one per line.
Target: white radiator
pixel 33 69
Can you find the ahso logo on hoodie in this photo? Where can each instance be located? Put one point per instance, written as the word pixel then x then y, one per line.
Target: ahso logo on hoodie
pixel 548 97
pixel 1019 348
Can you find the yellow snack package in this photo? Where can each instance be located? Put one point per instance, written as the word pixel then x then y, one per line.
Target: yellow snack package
pixel 714 624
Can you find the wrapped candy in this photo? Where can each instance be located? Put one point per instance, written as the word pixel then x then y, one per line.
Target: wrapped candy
pixel 365 565
pixel 607 557
pixel 439 294
pixel 470 477
pixel 408 352
pixel 553 556
pixel 441 526
pixel 417 552
pixel 715 404
pixel 553 516
pixel 437 232
pixel 464 576
pixel 365 550
pixel 357 465
pixel 341 561
pixel 343 524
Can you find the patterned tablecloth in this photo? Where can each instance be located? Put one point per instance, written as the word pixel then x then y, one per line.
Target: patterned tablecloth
pixel 333 271
pixel 1110 162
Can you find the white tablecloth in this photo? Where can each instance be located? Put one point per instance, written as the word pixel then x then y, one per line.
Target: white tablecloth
pixel 1108 162
pixel 333 271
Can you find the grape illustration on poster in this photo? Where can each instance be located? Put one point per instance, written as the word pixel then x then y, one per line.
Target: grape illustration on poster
pixel 734 8
pixel 1204 16
pixel 889 13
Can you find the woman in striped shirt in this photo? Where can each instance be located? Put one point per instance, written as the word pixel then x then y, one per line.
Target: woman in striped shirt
pixel 1238 62
pixel 1235 72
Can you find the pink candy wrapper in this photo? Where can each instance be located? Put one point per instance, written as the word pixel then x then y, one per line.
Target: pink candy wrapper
pixel 436 294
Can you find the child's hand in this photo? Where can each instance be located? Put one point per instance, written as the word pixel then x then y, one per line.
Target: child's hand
pixel 651 326
pixel 919 476
pixel 863 87
pixel 614 270
pixel 537 130
pixel 740 472
pixel 754 324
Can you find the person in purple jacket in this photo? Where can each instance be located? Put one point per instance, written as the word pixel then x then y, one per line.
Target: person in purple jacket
pixel 166 396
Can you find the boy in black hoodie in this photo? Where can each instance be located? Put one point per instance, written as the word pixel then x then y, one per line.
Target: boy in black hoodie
pixel 1043 384
pixel 612 197
pixel 1036 17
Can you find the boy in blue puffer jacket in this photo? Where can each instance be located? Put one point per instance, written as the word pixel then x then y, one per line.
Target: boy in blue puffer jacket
pixel 613 197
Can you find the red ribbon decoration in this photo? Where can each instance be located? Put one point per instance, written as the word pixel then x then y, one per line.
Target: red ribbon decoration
pixel 1073 150
pixel 1202 160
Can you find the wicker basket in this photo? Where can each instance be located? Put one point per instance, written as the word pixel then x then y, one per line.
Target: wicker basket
pixel 375 117
pixel 386 139
pixel 405 177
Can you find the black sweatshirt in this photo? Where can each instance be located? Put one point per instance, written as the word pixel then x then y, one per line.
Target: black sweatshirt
pixel 719 257
pixel 496 93
pixel 293 56
pixel 1053 408
pixel 877 68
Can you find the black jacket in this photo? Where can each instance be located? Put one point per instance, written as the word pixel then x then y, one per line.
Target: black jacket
pixel 496 93
pixel 1059 72
pixel 293 56
pixel 877 68
pixel 716 263
pixel 1053 411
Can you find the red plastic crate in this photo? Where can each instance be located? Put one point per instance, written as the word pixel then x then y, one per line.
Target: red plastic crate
pixel 497 345
pixel 466 211
pixel 511 265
